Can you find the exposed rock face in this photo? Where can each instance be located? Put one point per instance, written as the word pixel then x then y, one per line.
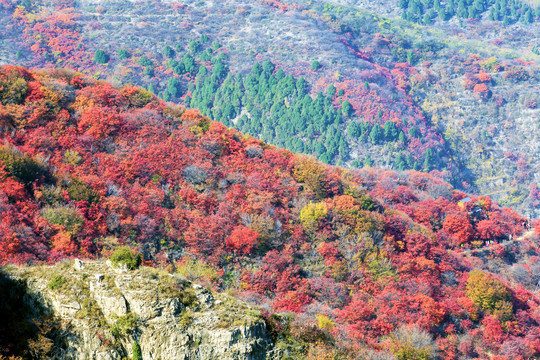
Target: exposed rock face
pixel 103 312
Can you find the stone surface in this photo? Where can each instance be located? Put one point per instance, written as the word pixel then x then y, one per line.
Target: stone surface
pixel 95 302
pixel 78 264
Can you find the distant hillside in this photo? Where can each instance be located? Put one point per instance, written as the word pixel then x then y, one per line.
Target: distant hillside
pixel 355 88
pixel 352 261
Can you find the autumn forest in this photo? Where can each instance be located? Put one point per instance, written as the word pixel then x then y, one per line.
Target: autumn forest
pixel 348 201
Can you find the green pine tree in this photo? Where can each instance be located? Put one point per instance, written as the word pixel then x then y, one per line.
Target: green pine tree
pixel 331 91
pixel 376 134
pixel 123 54
pixel 391 132
pixel 429 160
pixel 402 137
pixel 101 57
pixel 144 61
pixel 353 130
pixel 367 161
pixel 346 108
pixel 400 162
pixel 173 87
pixel 168 52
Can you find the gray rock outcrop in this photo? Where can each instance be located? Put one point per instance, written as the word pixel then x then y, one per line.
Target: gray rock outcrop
pixel 104 312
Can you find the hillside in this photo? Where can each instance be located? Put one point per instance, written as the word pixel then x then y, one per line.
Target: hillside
pixel 332 79
pixel 343 262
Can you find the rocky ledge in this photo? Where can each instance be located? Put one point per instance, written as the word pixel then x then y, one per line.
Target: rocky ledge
pixel 106 313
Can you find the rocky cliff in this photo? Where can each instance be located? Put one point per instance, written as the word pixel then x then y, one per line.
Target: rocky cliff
pixel 105 312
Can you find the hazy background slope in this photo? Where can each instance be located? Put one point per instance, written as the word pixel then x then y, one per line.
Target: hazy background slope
pixel 466 87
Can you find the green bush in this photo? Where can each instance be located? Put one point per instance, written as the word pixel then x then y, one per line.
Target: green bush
pixel 188 297
pixel 101 57
pixel 196 270
pixel 331 91
pixel 90 310
pixel 168 52
pixel 406 352
pixel 78 191
pixel 51 195
pixel 21 166
pixel 123 54
pixel 185 319
pixel 125 256
pixel 193 46
pixel 179 69
pixel 141 98
pixel 354 130
pixel 489 294
pixel 346 108
pixel 13 90
pixel 144 61
pixel 137 353
pixel 57 282
pixel 149 72
pixel 64 215
pixel 124 325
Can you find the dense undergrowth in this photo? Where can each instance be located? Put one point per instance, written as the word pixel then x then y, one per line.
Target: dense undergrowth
pixel 346 263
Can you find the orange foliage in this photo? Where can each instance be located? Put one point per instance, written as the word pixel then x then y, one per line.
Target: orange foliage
pixel 191 114
pixel 480 88
pixel 62 242
pixel 484 77
pixel 99 122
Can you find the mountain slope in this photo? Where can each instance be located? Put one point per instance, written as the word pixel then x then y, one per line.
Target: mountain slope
pixel 457 95
pixel 362 257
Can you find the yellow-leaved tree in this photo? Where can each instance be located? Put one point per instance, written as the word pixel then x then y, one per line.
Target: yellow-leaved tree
pixel 489 294
pixel 311 214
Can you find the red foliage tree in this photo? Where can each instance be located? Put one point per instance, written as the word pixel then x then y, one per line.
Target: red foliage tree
pixel 459 227
pixel 489 230
pixel 242 240
pixel 493 334
pixel 99 122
